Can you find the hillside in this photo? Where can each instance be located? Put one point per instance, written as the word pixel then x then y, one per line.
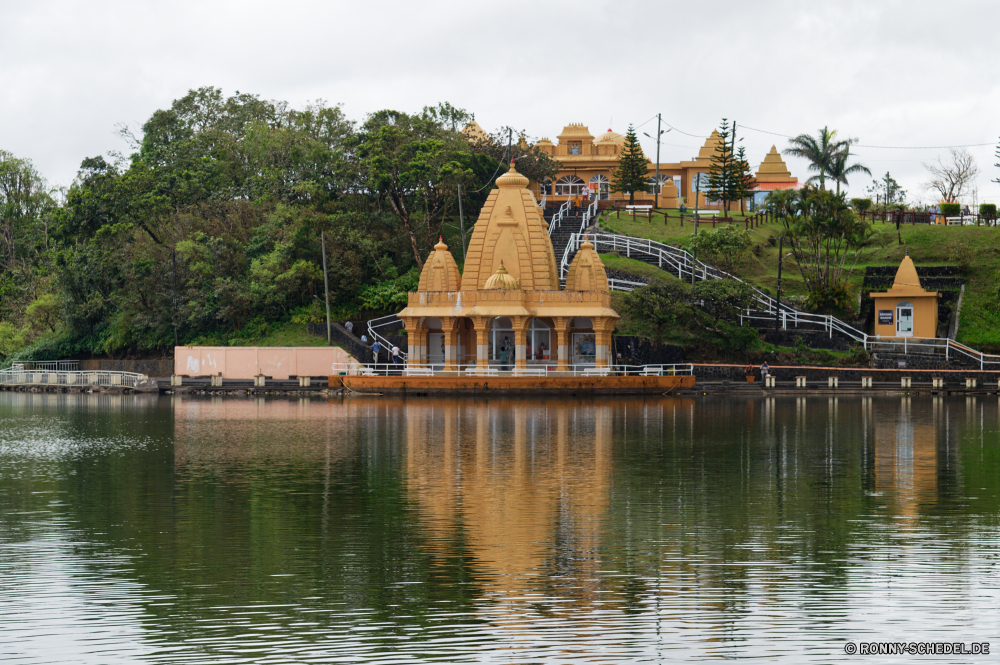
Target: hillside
pixel 975 251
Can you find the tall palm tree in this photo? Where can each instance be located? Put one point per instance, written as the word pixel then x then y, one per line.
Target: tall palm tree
pixel 838 169
pixel 820 151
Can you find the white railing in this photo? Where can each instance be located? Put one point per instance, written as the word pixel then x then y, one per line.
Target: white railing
pixel 384 322
pixel 60 378
pixel 682 263
pixel 541 204
pixel 496 369
pixel 559 214
pixel 589 214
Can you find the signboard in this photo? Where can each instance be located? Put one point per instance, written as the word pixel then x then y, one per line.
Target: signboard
pixel 885 317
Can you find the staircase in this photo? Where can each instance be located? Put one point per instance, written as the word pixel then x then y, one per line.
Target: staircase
pixel 561 235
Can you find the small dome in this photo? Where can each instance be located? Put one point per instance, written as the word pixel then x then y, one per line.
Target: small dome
pixel 611 137
pixel 586 271
pixel 502 279
pixel 544 141
pixel 512 179
pixel 440 271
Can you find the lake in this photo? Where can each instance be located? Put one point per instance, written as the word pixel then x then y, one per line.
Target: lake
pixel 381 530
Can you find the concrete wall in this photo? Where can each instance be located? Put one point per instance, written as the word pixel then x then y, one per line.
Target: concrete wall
pixel 246 362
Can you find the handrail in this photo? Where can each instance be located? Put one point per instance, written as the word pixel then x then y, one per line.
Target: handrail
pixel 439 369
pixel 683 263
pixel 559 214
pixel 70 378
pixel 384 321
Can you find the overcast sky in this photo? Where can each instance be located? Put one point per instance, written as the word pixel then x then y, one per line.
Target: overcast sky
pixel 890 73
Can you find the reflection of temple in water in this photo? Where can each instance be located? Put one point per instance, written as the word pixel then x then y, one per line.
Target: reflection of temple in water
pixel 905 444
pixel 527 486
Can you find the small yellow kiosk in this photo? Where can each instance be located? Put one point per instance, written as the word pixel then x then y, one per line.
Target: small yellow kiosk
pixel 906 310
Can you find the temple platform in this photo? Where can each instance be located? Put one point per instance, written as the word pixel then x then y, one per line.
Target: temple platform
pixel 514 385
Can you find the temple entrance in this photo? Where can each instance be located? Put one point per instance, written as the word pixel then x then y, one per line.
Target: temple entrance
pixel 502 342
pixel 601 186
pixel 570 185
pixel 904 320
pixel 584 342
pixel 539 341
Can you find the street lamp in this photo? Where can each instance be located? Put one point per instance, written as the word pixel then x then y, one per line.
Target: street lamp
pixel 656 185
pixel 777 306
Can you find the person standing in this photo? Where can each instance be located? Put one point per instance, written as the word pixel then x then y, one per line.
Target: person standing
pixel 350 327
pixel 376 347
pixel 763 370
pixel 395 355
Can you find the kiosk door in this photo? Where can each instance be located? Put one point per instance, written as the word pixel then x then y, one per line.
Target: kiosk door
pixel 904 320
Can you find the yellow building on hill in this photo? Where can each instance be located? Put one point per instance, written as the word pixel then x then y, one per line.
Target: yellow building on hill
pixel 907 309
pixel 589 162
pixel 507 309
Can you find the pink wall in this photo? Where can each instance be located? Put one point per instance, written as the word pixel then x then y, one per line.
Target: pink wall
pixel 246 362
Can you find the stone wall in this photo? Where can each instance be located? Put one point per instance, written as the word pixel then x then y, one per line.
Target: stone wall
pixel 631 350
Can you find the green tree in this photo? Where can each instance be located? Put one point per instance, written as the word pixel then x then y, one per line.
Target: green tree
pixel 724 299
pixel 820 151
pixel 729 243
pixel 724 175
pixel 746 182
pixel 660 304
pixel 632 172
pixel 839 169
pixel 887 191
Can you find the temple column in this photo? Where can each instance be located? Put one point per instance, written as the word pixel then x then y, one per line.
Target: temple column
pixel 520 325
pixel 450 328
pixel 602 337
pixel 561 324
pixel 416 341
pixel 482 325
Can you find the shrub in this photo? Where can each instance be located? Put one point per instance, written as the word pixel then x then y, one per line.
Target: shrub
pixel 729 243
pixel 988 210
pixel 861 205
pixel 951 209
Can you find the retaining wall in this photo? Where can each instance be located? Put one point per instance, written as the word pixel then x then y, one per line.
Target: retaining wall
pixel 246 362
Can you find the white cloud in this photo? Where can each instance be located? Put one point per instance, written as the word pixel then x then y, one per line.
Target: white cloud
pixel 889 73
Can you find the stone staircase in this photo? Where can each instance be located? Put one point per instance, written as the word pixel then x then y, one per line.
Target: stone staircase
pixel 569 225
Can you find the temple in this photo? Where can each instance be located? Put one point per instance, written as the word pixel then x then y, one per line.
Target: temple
pixel 588 166
pixel 906 309
pixel 507 310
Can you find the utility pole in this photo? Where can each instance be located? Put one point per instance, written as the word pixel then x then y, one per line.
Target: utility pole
pixel 326 289
pixel 174 253
pixel 461 222
pixel 777 307
pixel 656 185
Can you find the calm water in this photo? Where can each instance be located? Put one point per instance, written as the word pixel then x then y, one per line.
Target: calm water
pixel 170 530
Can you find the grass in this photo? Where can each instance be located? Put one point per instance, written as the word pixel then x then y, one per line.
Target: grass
pixel 290 334
pixel 975 250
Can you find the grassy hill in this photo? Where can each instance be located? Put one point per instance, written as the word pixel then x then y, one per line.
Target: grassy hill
pixel 975 250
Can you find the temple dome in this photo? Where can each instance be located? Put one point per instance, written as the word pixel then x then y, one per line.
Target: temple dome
pixel 501 279
pixel 773 168
pixel 575 132
pixel 611 137
pixel 440 271
pixel 906 276
pixel 544 141
pixel 586 272
pixel 707 151
pixel 512 231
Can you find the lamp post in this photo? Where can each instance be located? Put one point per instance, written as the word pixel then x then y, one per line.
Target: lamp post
pixel 656 185
pixel 777 305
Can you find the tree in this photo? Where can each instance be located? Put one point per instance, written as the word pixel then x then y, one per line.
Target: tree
pixel 745 180
pixel 724 299
pixel 820 151
pixel 887 191
pixel 729 243
pixel 951 180
pixel 632 173
pixel 839 169
pixel 659 304
pixel 724 174
pixel 414 161
pixel 532 162
pixel 824 234
pixel 861 206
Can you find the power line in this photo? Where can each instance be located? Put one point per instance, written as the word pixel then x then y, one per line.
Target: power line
pixel 887 147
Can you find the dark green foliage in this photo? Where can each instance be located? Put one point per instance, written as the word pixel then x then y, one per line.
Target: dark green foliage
pixel 725 175
pixel 861 205
pixel 746 182
pixel 988 210
pixel 723 299
pixel 951 209
pixel 632 173
pixel 727 245
pixel 659 304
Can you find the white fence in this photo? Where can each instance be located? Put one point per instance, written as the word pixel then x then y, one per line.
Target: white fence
pixel 54 378
pixel 683 264
pixel 557 217
pixel 402 369
pixel 383 324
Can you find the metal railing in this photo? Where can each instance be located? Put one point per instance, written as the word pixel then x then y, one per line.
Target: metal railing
pixel 589 214
pixel 496 369
pixel 62 378
pixel 383 323
pixel 683 264
pixel 559 214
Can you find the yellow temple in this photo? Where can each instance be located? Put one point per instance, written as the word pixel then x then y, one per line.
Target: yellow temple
pixel 906 309
pixel 508 309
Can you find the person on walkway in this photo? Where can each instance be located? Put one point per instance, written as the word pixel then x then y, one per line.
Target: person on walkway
pixel 376 347
pixel 364 338
pixel 763 370
pixel 395 355
pixel 350 327
pixel 504 352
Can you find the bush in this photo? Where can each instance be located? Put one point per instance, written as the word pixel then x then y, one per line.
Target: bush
pixel 988 210
pixel 951 209
pixel 861 205
pixel 730 243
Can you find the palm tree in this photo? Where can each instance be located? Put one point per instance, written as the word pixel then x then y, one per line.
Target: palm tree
pixel 820 151
pixel 838 168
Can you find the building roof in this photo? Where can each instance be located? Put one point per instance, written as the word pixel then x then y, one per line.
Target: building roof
pixel 575 132
pixel 440 271
pixel 611 137
pixel 906 284
pixel 474 132
pixel 707 151
pixel 773 169
pixel 586 272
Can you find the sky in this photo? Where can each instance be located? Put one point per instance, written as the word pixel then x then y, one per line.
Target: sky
pixel 911 74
